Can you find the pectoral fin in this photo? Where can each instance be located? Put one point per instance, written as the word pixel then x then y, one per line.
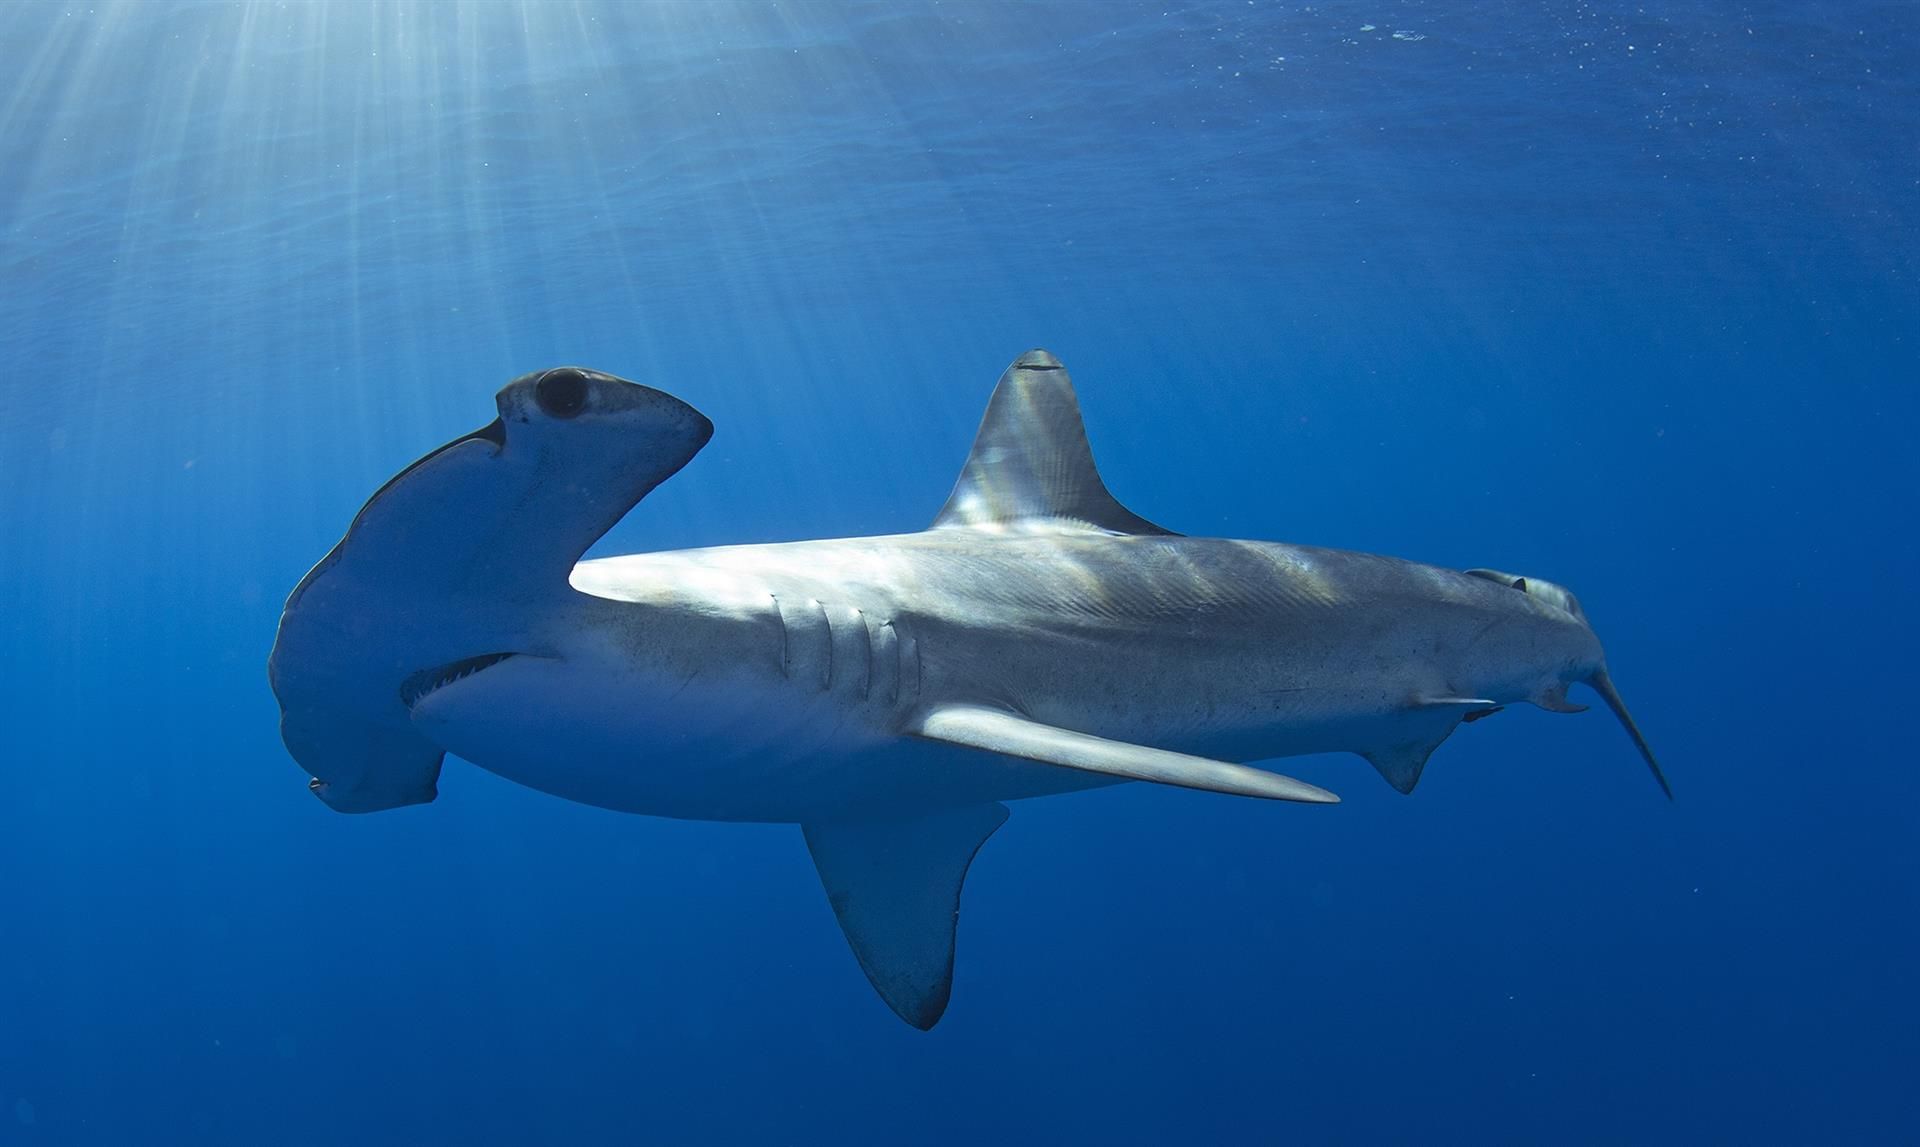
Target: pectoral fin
pixel 895 887
pixel 998 731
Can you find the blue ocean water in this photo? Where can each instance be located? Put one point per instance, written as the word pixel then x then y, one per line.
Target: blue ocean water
pixel 1621 297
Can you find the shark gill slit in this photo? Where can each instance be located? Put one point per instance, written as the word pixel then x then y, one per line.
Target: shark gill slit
pixel 913 647
pixel 866 646
pixel 806 642
pixel 786 662
pixel 826 621
pixel 899 664
pixel 886 659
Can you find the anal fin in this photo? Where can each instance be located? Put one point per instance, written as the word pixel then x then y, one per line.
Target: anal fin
pixel 1402 762
pixel 895 886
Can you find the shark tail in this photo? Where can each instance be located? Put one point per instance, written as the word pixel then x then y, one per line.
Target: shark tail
pixel 1603 685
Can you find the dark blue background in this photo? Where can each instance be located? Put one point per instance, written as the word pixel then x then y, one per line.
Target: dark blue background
pixel 1629 303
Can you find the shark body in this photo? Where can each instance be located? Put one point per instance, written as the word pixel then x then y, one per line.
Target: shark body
pixel 885 693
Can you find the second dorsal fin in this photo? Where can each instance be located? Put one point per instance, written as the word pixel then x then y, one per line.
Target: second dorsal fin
pixel 1030 462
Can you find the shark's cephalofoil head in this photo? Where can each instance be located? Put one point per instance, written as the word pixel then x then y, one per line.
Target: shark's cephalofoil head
pixel 1590 670
pixel 451 568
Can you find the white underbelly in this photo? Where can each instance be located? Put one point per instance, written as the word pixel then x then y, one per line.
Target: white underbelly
pixel 740 749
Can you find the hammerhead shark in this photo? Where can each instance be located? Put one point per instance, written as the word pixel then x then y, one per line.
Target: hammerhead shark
pixel 884 693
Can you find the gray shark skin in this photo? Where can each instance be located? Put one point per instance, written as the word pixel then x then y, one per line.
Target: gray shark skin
pixel 885 693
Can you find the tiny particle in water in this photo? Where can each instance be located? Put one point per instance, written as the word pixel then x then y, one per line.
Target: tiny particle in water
pixel 23 1112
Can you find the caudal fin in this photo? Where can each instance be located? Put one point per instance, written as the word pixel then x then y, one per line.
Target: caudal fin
pixel 1603 685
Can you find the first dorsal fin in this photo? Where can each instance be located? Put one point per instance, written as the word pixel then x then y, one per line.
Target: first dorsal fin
pixel 1030 462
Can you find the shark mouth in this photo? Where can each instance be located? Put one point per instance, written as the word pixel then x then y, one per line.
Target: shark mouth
pixel 429 681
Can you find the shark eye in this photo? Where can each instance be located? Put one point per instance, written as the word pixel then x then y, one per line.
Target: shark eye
pixel 561 393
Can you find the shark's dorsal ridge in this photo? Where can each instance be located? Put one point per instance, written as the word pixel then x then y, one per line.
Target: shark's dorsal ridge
pixel 1030 463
